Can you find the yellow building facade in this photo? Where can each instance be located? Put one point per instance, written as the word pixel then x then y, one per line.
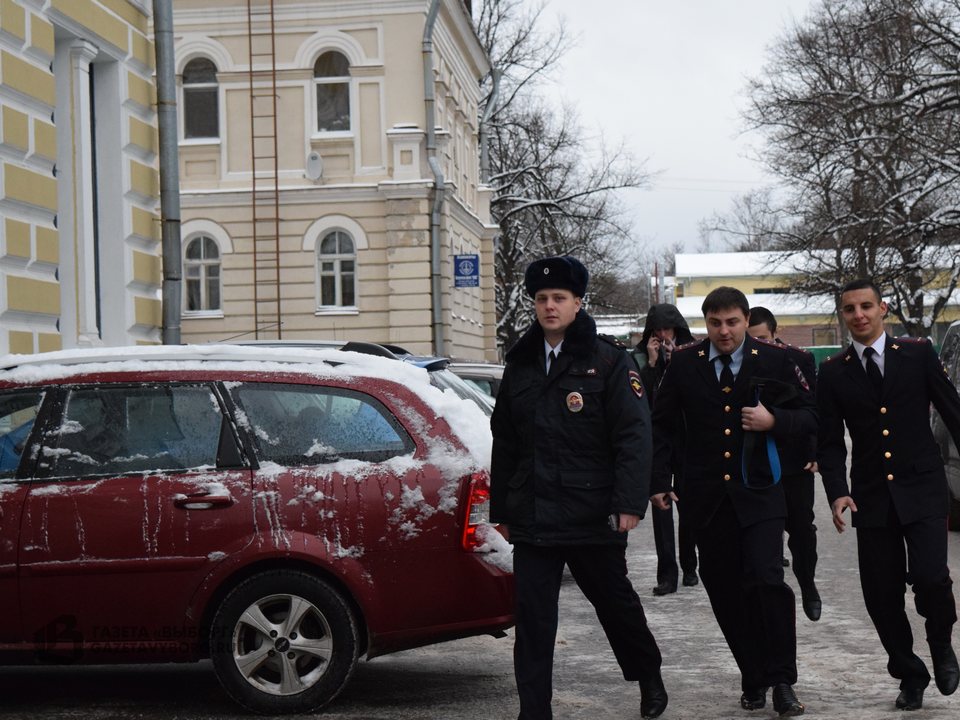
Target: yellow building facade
pixel 79 232
pixel 307 191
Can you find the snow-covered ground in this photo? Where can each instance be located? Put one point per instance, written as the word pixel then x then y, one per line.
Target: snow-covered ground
pixel 842 667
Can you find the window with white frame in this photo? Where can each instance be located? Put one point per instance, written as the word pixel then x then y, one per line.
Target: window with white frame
pixel 337 270
pixel 201 100
pixel 201 274
pixel 331 76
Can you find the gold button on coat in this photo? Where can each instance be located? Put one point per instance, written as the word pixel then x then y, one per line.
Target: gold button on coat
pixel 886 432
pixel 883 411
pixel 888 454
pixel 889 477
pixel 726 477
pixel 727 431
pixel 727 454
pixel 726 408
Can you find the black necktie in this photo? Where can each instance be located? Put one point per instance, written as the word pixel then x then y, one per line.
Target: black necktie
pixel 726 374
pixel 873 370
pixel 551 356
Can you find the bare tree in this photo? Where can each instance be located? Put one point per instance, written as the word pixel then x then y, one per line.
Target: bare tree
pixel 857 106
pixel 754 222
pixel 555 194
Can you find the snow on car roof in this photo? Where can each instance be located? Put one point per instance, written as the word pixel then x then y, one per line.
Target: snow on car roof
pixel 466 419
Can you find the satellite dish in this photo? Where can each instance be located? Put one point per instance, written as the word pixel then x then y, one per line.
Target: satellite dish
pixel 314 166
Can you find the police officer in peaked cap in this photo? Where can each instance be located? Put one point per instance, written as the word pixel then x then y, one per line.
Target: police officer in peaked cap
pixel 569 479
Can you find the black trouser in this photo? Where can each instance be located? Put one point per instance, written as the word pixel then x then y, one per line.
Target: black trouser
pixel 890 557
pixel 666 546
pixel 742 572
pixel 601 573
pixel 802 540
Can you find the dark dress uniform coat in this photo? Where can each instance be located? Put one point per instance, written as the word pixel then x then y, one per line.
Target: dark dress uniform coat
pixel 899 487
pixel 739 530
pixel 690 405
pixel 895 456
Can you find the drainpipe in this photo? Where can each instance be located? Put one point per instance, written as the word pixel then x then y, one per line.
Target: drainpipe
pixel 484 126
pixel 169 170
pixel 436 287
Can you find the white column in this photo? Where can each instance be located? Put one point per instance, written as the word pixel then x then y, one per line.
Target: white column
pixel 75 217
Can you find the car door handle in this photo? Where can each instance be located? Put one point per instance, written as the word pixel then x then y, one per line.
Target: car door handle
pixel 202 501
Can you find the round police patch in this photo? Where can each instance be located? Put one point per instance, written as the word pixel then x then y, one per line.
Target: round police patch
pixel 574 402
pixel 636 383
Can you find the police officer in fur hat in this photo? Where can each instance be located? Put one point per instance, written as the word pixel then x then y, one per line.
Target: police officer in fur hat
pixel 570 478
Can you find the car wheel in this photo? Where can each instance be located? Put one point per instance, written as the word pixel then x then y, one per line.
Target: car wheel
pixel 283 642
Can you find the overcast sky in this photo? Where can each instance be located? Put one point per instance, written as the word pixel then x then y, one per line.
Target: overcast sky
pixel 668 78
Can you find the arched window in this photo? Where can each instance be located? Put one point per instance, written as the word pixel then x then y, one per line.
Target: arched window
pixel 201 274
pixel 201 103
pixel 331 75
pixel 337 270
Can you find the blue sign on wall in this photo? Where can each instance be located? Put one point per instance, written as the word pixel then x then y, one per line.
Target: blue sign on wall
pixel 466 271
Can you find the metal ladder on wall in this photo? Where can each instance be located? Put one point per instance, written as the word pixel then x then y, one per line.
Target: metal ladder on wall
pixel 265 183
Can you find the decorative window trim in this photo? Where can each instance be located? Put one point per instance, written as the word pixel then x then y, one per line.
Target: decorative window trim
pixel 326 310
pixel 207 227
pixel 194 46
pixel 321 227
pixel 324 40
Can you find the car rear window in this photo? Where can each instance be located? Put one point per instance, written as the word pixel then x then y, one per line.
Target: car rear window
pixel 309 425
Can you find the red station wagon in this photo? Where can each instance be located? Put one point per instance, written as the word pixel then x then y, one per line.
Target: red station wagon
pixel 282 513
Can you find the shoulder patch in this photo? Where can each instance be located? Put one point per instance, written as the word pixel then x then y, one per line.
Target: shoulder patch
pixel 913 340
pixel 635 383
pixel 610 339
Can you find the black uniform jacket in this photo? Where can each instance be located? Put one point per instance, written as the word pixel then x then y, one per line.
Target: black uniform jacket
pixel 895 457
pixel 802 450
pixel 570 448
pixel 690 403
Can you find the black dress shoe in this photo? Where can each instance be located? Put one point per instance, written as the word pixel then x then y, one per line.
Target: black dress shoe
pixel 753 699
pixel 690 578
pixel 910 699
pixel 665 588
pixel 785 701
pixel 653 697
pixel 946 672
pixel 812 606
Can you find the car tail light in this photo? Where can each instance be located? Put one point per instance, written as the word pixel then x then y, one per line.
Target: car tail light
pixel 477 511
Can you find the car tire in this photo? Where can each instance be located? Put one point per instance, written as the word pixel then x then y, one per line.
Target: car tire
pixel 283 642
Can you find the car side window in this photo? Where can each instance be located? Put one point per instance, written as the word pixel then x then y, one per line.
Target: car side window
pixel 120 429
pixel 18 412
pixel 309 425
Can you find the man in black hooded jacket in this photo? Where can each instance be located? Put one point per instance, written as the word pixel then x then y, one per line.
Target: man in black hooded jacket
pixel 665 329
pixel 570 478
